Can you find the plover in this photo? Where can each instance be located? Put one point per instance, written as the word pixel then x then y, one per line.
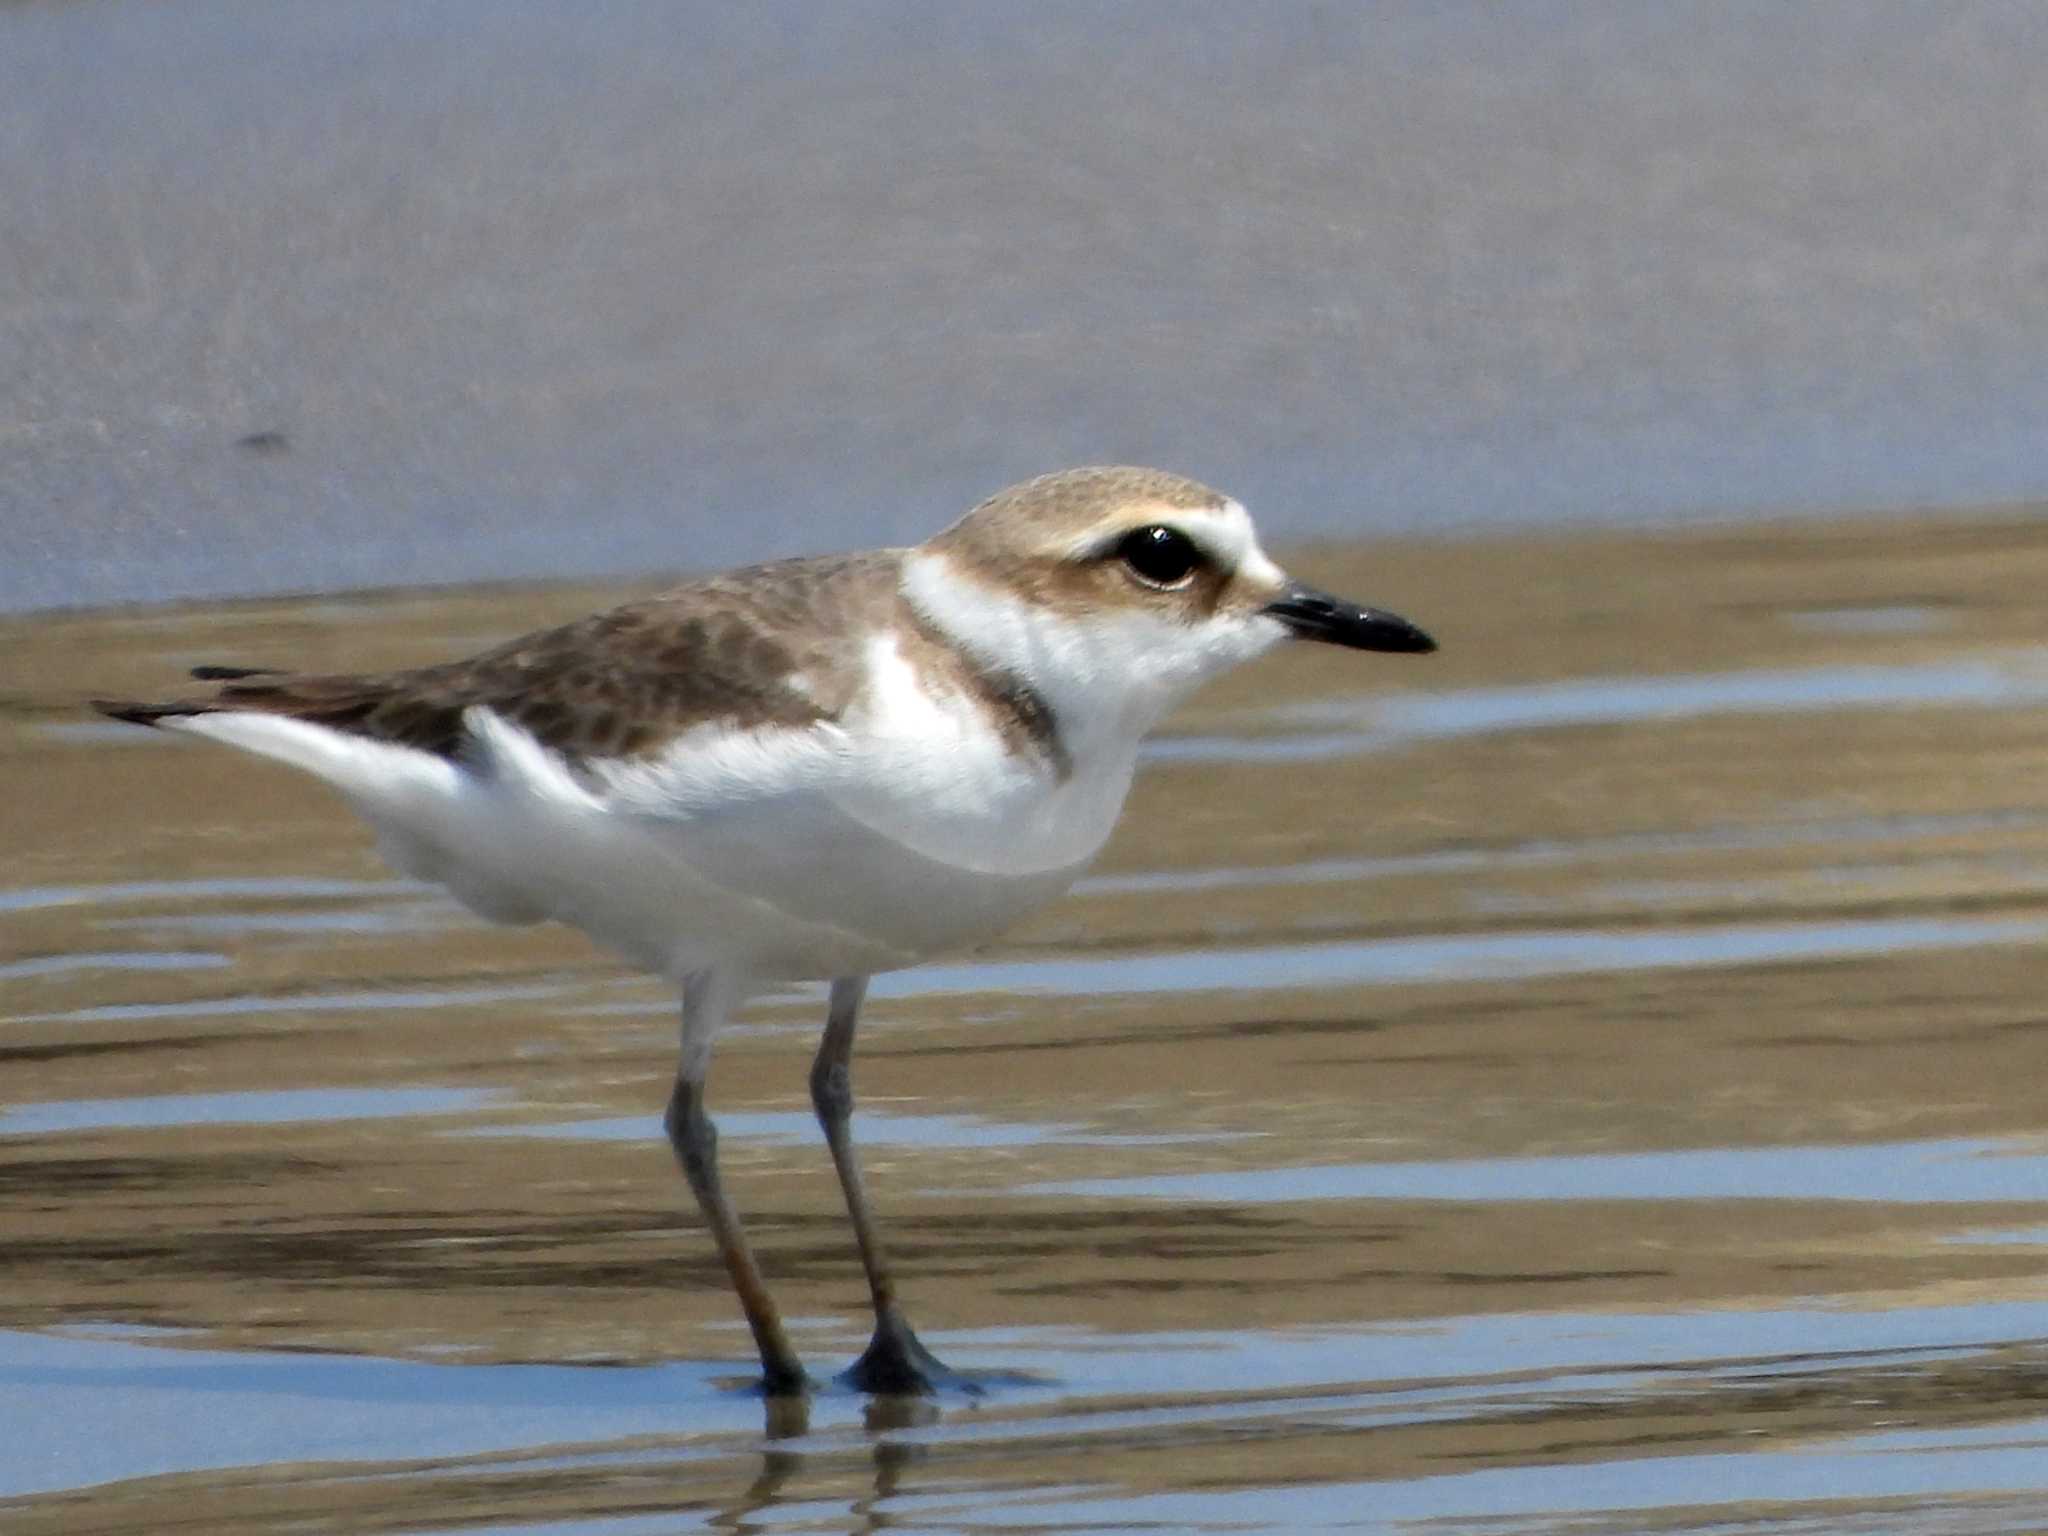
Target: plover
pixel 810 770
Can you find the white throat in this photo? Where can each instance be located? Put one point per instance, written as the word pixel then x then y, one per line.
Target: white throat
pixel 1108 677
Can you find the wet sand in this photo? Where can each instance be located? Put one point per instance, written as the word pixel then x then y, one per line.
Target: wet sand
pixel 1589 1078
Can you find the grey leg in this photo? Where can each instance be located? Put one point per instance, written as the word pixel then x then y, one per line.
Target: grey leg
pixel 895 1362
pixel 708 998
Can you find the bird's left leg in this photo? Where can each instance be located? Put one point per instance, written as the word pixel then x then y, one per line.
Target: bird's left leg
pixel 894 1361
pixel 708 997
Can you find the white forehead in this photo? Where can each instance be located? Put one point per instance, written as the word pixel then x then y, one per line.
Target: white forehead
pixel 1224 532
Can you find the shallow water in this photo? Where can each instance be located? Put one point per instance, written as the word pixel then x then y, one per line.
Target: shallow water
pixel 280 1106
pixel 1955 1170
pixel 1381 723
pixel 1595 1089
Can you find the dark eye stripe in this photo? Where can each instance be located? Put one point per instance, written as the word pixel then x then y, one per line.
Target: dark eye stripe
pixel 1158 555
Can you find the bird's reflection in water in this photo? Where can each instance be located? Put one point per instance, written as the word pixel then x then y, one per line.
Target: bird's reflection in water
pixel 787 1420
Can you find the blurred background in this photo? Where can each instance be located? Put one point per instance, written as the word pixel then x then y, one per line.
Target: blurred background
pixel 300 296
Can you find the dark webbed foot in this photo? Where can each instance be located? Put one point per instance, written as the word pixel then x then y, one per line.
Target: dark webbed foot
pixel 895 1364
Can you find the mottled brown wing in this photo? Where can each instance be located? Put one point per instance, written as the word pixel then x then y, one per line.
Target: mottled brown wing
pixel 770 645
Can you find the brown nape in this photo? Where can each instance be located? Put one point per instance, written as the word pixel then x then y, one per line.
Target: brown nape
pixel 763 646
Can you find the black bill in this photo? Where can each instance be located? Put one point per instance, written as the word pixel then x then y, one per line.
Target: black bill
pixel 1314 615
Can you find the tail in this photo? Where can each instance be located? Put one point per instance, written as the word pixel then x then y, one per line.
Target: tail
pixel 438 779
pixel 329 725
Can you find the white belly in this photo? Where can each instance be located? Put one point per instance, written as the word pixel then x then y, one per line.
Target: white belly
pixel 808 896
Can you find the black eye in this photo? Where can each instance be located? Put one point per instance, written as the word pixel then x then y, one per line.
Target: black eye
pixel 1159 556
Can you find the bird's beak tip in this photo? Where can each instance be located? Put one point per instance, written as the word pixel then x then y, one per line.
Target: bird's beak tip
pixel 1312 615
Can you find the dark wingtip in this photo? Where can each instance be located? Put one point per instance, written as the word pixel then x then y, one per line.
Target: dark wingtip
pixel 216 674
pixel 138 714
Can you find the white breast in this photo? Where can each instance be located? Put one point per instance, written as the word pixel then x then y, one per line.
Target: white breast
pixel 910 828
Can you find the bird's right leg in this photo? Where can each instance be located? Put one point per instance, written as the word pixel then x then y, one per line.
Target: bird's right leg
pixel 894 1361
pixel 708 998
